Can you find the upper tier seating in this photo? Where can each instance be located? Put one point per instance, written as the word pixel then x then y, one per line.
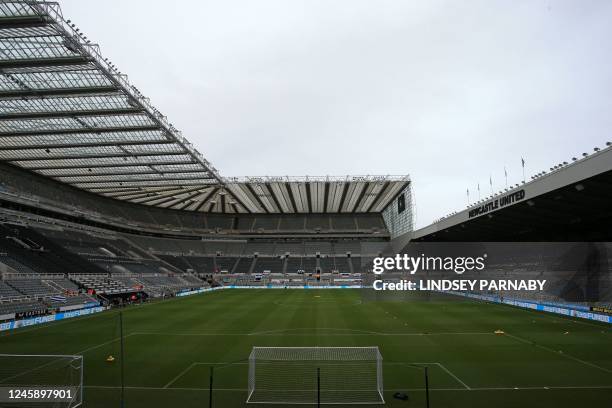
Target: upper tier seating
pixel 31 287
pixel 8 292
pixel 15 265
pixel 243 265
pixel 39 253
pixel 102 284
pixel 273 265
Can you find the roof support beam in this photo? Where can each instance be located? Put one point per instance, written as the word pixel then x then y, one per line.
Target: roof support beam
pixel 90 144
pixel 360 198
pixel 345 188
pixel 238 200
pixel 88 174
pixel 86 184
pixel 97 156
pixel 205 199
pixel 308 198
pixel 292 199
pixel 110 165
pixel 44 62
pixel 250 188
pixel 325 197
pixel 186 203
pixel 380 194
pixel 121 184
pixel 179 200
pixel 129 195
pixel 168 196
pixel 222 202
pixel 117 129
pixel 41 93
pixel 135 192
pixel 274 198
pixel 70 113
pixel 22 22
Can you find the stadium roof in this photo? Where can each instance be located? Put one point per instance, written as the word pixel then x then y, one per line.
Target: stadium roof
pixel 570 202
pixel 68 113
pixel 287 195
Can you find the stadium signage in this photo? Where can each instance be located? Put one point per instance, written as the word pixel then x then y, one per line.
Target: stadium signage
pixel 567 311
pixel 15 324
pixel 498 203
pixel 602 309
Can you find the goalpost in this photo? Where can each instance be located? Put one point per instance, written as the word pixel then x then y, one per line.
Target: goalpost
pixel 315 375
pixel 41 380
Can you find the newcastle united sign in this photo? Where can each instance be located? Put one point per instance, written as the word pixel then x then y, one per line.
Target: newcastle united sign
pixel 497 203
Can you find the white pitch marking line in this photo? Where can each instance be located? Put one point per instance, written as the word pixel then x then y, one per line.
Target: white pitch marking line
pixel 103 344
pixel 453 375
pixel 539 388
pixel 182 373
pixel 467 387
pixel 260 333
pixel 522 340
pixel 272 333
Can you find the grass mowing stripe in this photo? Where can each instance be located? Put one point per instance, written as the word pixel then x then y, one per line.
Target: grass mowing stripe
pixel 170 336
pixel 522 340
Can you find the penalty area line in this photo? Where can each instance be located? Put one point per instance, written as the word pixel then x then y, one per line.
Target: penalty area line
pixel 558 352
pixel 182 373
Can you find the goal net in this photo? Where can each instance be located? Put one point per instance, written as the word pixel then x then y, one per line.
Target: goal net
pixel 41 380
pixel 311 375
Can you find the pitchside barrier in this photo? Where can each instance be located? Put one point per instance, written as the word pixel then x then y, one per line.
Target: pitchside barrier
pixel 562 310
pixel 41 381
pixel 32 321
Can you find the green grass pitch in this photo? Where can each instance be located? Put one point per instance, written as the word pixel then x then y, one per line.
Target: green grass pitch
pixel 543 360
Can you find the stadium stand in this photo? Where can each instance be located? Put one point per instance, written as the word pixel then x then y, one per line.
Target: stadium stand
pixel 8 292
pixel 102 284
pixel 243 265
pixel 569 203
pixel 31 287
pixel 24 309
pixel 129 206
pixel 269 265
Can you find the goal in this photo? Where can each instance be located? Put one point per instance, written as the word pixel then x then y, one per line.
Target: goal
pixel 311 375
pixel 41 380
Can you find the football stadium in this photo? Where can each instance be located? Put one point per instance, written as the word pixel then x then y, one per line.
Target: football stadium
pixel 134 274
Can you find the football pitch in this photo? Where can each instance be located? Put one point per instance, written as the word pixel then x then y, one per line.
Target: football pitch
pixel 542 360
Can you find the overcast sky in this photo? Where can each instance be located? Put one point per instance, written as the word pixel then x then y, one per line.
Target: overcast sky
pixel 448 92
